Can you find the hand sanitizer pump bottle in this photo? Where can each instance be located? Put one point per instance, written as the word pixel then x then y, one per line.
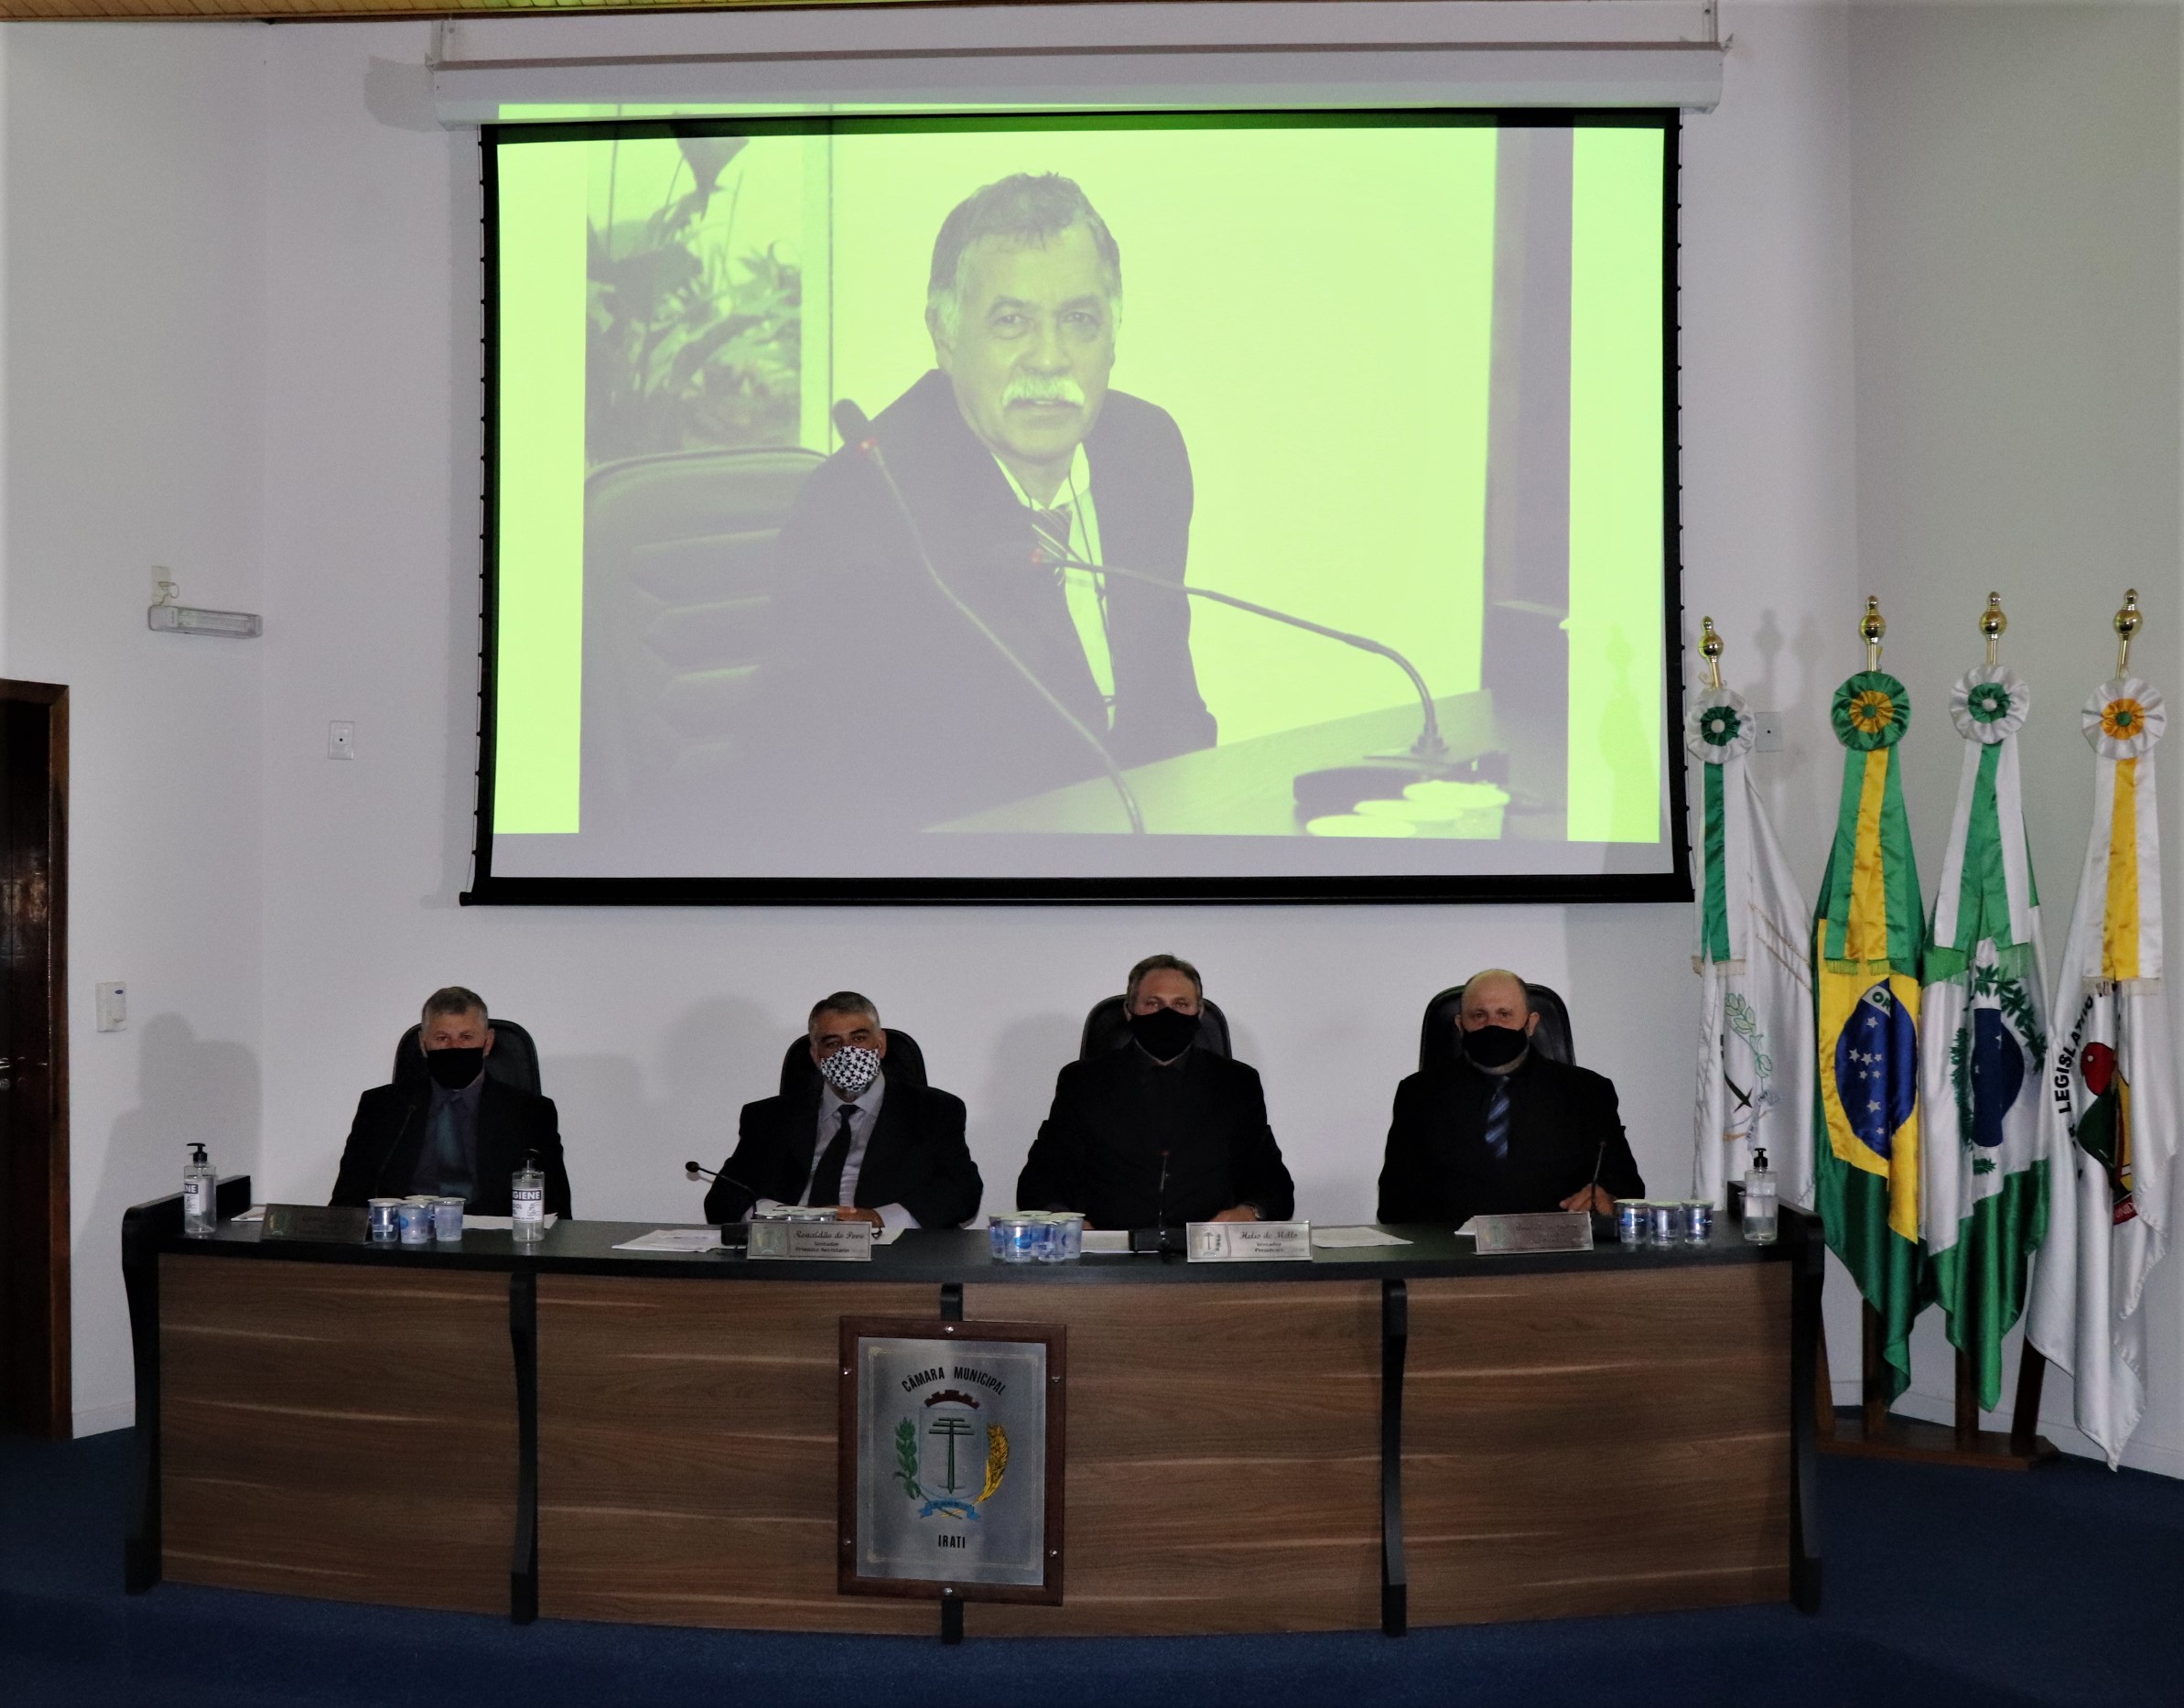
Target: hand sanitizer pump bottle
pixel 1759 1200
pixel 201 1214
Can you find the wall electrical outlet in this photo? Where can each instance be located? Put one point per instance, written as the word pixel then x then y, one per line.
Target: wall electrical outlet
pixel 341 739
pixel 1767 737
pixel 114 1006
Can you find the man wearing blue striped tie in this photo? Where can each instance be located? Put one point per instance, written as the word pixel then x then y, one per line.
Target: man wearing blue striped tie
pixel 1503 1129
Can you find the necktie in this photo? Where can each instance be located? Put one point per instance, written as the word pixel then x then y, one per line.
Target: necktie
pixel 1053 527
pixel 826 1180
pixel 1498 1120
pixel 1080 589
pixel 448 1162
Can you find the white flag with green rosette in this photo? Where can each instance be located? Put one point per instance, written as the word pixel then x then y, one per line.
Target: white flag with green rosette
pixel 2110 1099
pixel 1755 1026
pixel 1985 1165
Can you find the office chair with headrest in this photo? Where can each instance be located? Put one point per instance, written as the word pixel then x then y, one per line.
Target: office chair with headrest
pixel 679 580
pixel 1437 1031
pixel 904 1062
pixel 513 1060
pixel 1106 1027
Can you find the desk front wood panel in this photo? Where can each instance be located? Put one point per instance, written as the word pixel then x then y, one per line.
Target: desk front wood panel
pixel 687 1452
pixel 336 1431
pixel 1224 1461
pixel 1597 1444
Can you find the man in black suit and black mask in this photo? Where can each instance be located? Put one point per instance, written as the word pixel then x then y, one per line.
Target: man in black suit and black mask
pixel 1012 455
pixel 1503 1129
pixel 457 1132
pixel 874 1148
pixel 1159 1132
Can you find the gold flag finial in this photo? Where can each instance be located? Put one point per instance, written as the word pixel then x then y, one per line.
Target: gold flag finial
pixel 2127 625
pixel 1871 626
pixel 1710 649
pixel 1994 625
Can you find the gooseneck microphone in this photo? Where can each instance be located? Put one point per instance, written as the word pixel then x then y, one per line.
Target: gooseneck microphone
pixel 693 1170
pixel 1429 745
pixel 855 428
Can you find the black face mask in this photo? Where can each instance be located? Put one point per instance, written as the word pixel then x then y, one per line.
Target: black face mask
pixel 1165 1034
pixel 454 1069
pixel 1495 1047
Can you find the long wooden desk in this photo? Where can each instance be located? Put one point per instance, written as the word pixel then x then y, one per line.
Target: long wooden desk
pixel 1409 1434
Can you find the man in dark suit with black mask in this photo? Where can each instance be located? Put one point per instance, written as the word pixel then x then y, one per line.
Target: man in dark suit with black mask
pixel 1013 454
pixel 460 1133
pixel 1503 1129
pixel 874 1148
pixel 1159 1132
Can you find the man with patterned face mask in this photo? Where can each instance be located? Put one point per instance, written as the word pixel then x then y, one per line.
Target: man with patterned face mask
pixel 873 1146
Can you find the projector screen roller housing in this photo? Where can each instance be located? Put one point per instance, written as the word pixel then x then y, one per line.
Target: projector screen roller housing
pixel 1231 507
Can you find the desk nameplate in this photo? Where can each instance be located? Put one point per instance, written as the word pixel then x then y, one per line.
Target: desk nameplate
pixel 337 1224
pixel 1556 1230
pixel 813 1242
pixel 1250 1242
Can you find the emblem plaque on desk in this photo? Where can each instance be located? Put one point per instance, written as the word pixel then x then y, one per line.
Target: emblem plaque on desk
pixel 1550 1230
pixel 952 1446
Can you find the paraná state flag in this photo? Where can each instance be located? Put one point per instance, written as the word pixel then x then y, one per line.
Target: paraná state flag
pixel 1868 950
pixel 2110 1099
pixel 1984 1197
pixel 1755 1077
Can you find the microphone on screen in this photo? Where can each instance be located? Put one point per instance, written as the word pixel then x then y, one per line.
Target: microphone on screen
pixel 1339 788
pixel 855 428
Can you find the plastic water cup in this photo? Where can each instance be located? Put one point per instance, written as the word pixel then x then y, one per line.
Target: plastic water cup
pixel 997 1237
pixel 447 1218
pixel 1067 1244
pixel 1664 1223
pixel 1698 1221
pixel 1630 1222
pixel 414 1220
pixel 385 1221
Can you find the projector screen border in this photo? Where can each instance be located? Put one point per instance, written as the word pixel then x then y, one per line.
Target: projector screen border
pixel 1674 885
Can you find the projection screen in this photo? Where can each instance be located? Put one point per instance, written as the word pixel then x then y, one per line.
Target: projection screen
pixel 1231 507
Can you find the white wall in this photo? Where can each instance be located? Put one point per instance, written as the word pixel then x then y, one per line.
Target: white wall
pixel 332 909
pixel 133 231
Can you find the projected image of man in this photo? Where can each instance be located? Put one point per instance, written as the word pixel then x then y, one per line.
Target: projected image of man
pixel 1014 457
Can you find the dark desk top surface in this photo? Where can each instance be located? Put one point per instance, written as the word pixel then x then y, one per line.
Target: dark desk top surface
pixel 937 1256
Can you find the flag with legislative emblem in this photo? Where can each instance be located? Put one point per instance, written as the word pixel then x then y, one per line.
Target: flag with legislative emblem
pixel 2110 1100
pixel 1868 948
pixel 1755 1080
pixel 1986 1175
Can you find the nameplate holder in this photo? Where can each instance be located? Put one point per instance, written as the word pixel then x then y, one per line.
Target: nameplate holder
pixel 1250 1242
pixel 813 1242
pixel 339 1224
pixel 1556 1230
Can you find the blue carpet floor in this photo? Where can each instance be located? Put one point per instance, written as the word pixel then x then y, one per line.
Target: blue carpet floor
pixel 1943 1587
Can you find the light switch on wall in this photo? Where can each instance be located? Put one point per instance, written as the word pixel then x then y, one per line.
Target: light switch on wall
pixel 341 739
pixel 114 1006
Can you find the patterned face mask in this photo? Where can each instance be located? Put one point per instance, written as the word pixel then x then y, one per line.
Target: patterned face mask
pixel 851 1069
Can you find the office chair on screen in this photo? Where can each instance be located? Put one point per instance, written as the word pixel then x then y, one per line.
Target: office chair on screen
pixel 1437 1031
pixel 678 587
pixel 904 1062
pixel 1106 1027
pixel 514 1059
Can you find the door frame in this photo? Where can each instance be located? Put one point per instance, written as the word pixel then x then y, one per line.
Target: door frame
pixel 37 1348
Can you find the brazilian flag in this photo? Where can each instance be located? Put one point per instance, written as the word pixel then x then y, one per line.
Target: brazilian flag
pixel 1868 950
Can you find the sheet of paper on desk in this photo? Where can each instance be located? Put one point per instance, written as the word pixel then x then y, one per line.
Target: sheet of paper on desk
pixel 501 1223
pixel 887 1236
pixel 1337 1238
pixel 674 1240
pixel 1470 1230
pixel 1110 1241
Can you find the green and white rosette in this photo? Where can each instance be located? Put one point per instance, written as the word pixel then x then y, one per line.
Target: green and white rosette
pixel 1718 731
pixel 1986 890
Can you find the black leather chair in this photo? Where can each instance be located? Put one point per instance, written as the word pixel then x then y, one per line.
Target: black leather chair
pixel 799 1073
pixel 678 584
pixel 514 1060
pixel 1437 1031
pixel 1106 1027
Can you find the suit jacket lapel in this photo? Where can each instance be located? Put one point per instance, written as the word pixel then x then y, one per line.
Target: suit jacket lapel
pixel 398 1162
pixel 802 1113
pixel 888 1134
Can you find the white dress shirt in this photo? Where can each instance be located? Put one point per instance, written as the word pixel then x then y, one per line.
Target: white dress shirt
pixel 1086 591
pixel 864 1115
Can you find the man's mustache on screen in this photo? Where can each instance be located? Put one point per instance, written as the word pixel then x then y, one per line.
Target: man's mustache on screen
pixel 1031 388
